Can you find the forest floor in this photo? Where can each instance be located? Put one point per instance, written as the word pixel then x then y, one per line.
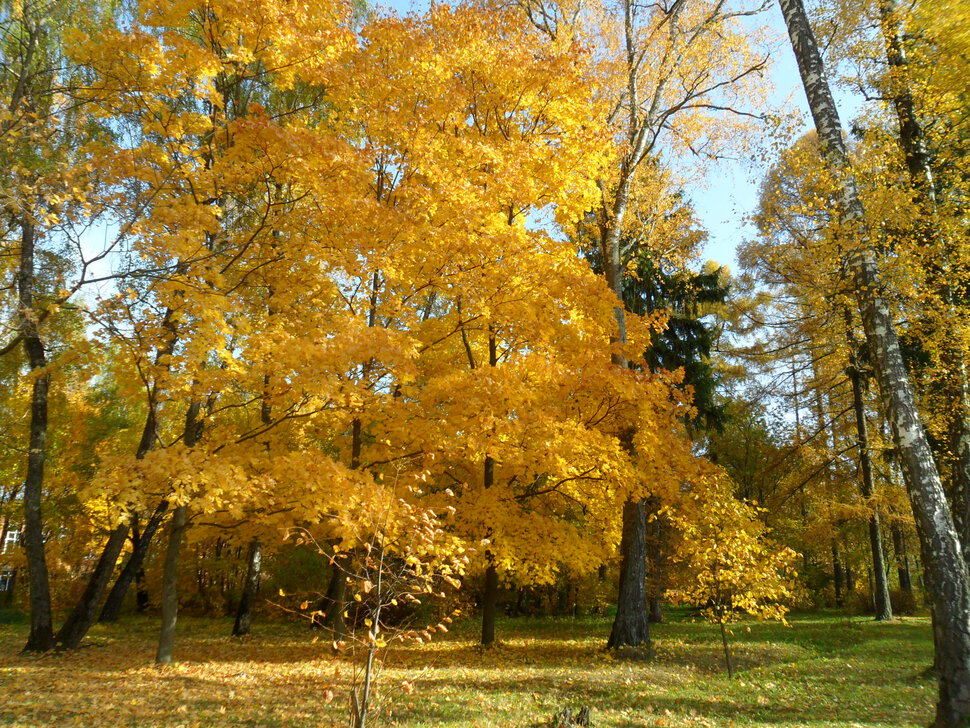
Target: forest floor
pixel 823 671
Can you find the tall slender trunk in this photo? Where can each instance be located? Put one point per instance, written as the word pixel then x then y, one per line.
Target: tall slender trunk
pixel 912 141
pixel 880 591
pixel 170 598
pixel 490 590
pixel 244 614
pixel 180 517
pixel 642 134
pixel 630 626
pixel 134 567
pixel 655 612
pixel 41 636
pixel 727 650
pixel 943 559
pixel 837 573
pixel 824 429
pixel 254 561
pixel 902 558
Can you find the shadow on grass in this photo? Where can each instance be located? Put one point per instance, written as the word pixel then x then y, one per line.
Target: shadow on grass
pixel 823 670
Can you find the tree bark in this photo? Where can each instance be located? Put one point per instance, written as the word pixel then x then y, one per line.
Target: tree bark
pixel 837 574
pixel 335 598
pixel 727 649
pixel 134 567
pixel 170 599
pixel 83 615
pixel 489 605
pixel 244 615
pixel 902 558
pixel 490 591
pixel 655 612
pixel 946 569
pixel 880 591
pixel 631 626
pixel 180 517
pixel 912 140
pixel 41 636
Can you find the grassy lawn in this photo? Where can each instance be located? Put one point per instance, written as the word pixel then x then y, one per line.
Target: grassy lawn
pixel 825 670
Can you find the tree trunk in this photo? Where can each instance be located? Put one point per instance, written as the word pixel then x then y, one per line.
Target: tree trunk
pixel 180 517
pixel 170 598
pixel 490 591
pixel 943 560
pixel 837 574
pixel 335 599
pixel 912 141
pixel 244 615
pixel 902 558
pixel 83 615
pixel 655 613
pixel 489 605
pixel 133 569
pixel 631 626
pixel 727 649
pixel 880 590
pixel 41 625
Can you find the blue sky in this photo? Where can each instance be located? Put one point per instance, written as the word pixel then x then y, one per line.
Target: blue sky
pixel 731 190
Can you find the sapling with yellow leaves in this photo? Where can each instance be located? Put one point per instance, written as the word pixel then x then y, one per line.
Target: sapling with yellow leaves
pixel 727 565
pixel 403 558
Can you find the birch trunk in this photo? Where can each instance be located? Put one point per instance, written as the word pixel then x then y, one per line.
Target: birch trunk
pixel 922 179
pixel 945 566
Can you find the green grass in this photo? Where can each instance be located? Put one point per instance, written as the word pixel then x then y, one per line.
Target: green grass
pixel 823 671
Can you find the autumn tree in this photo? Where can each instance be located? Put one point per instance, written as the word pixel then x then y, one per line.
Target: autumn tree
pixel 943 558
pixel 201 150
pixel 729 565
pixel 663 86
pixel 46 211
pixel 800 257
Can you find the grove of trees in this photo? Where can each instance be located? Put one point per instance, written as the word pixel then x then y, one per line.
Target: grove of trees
pixel 406 314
